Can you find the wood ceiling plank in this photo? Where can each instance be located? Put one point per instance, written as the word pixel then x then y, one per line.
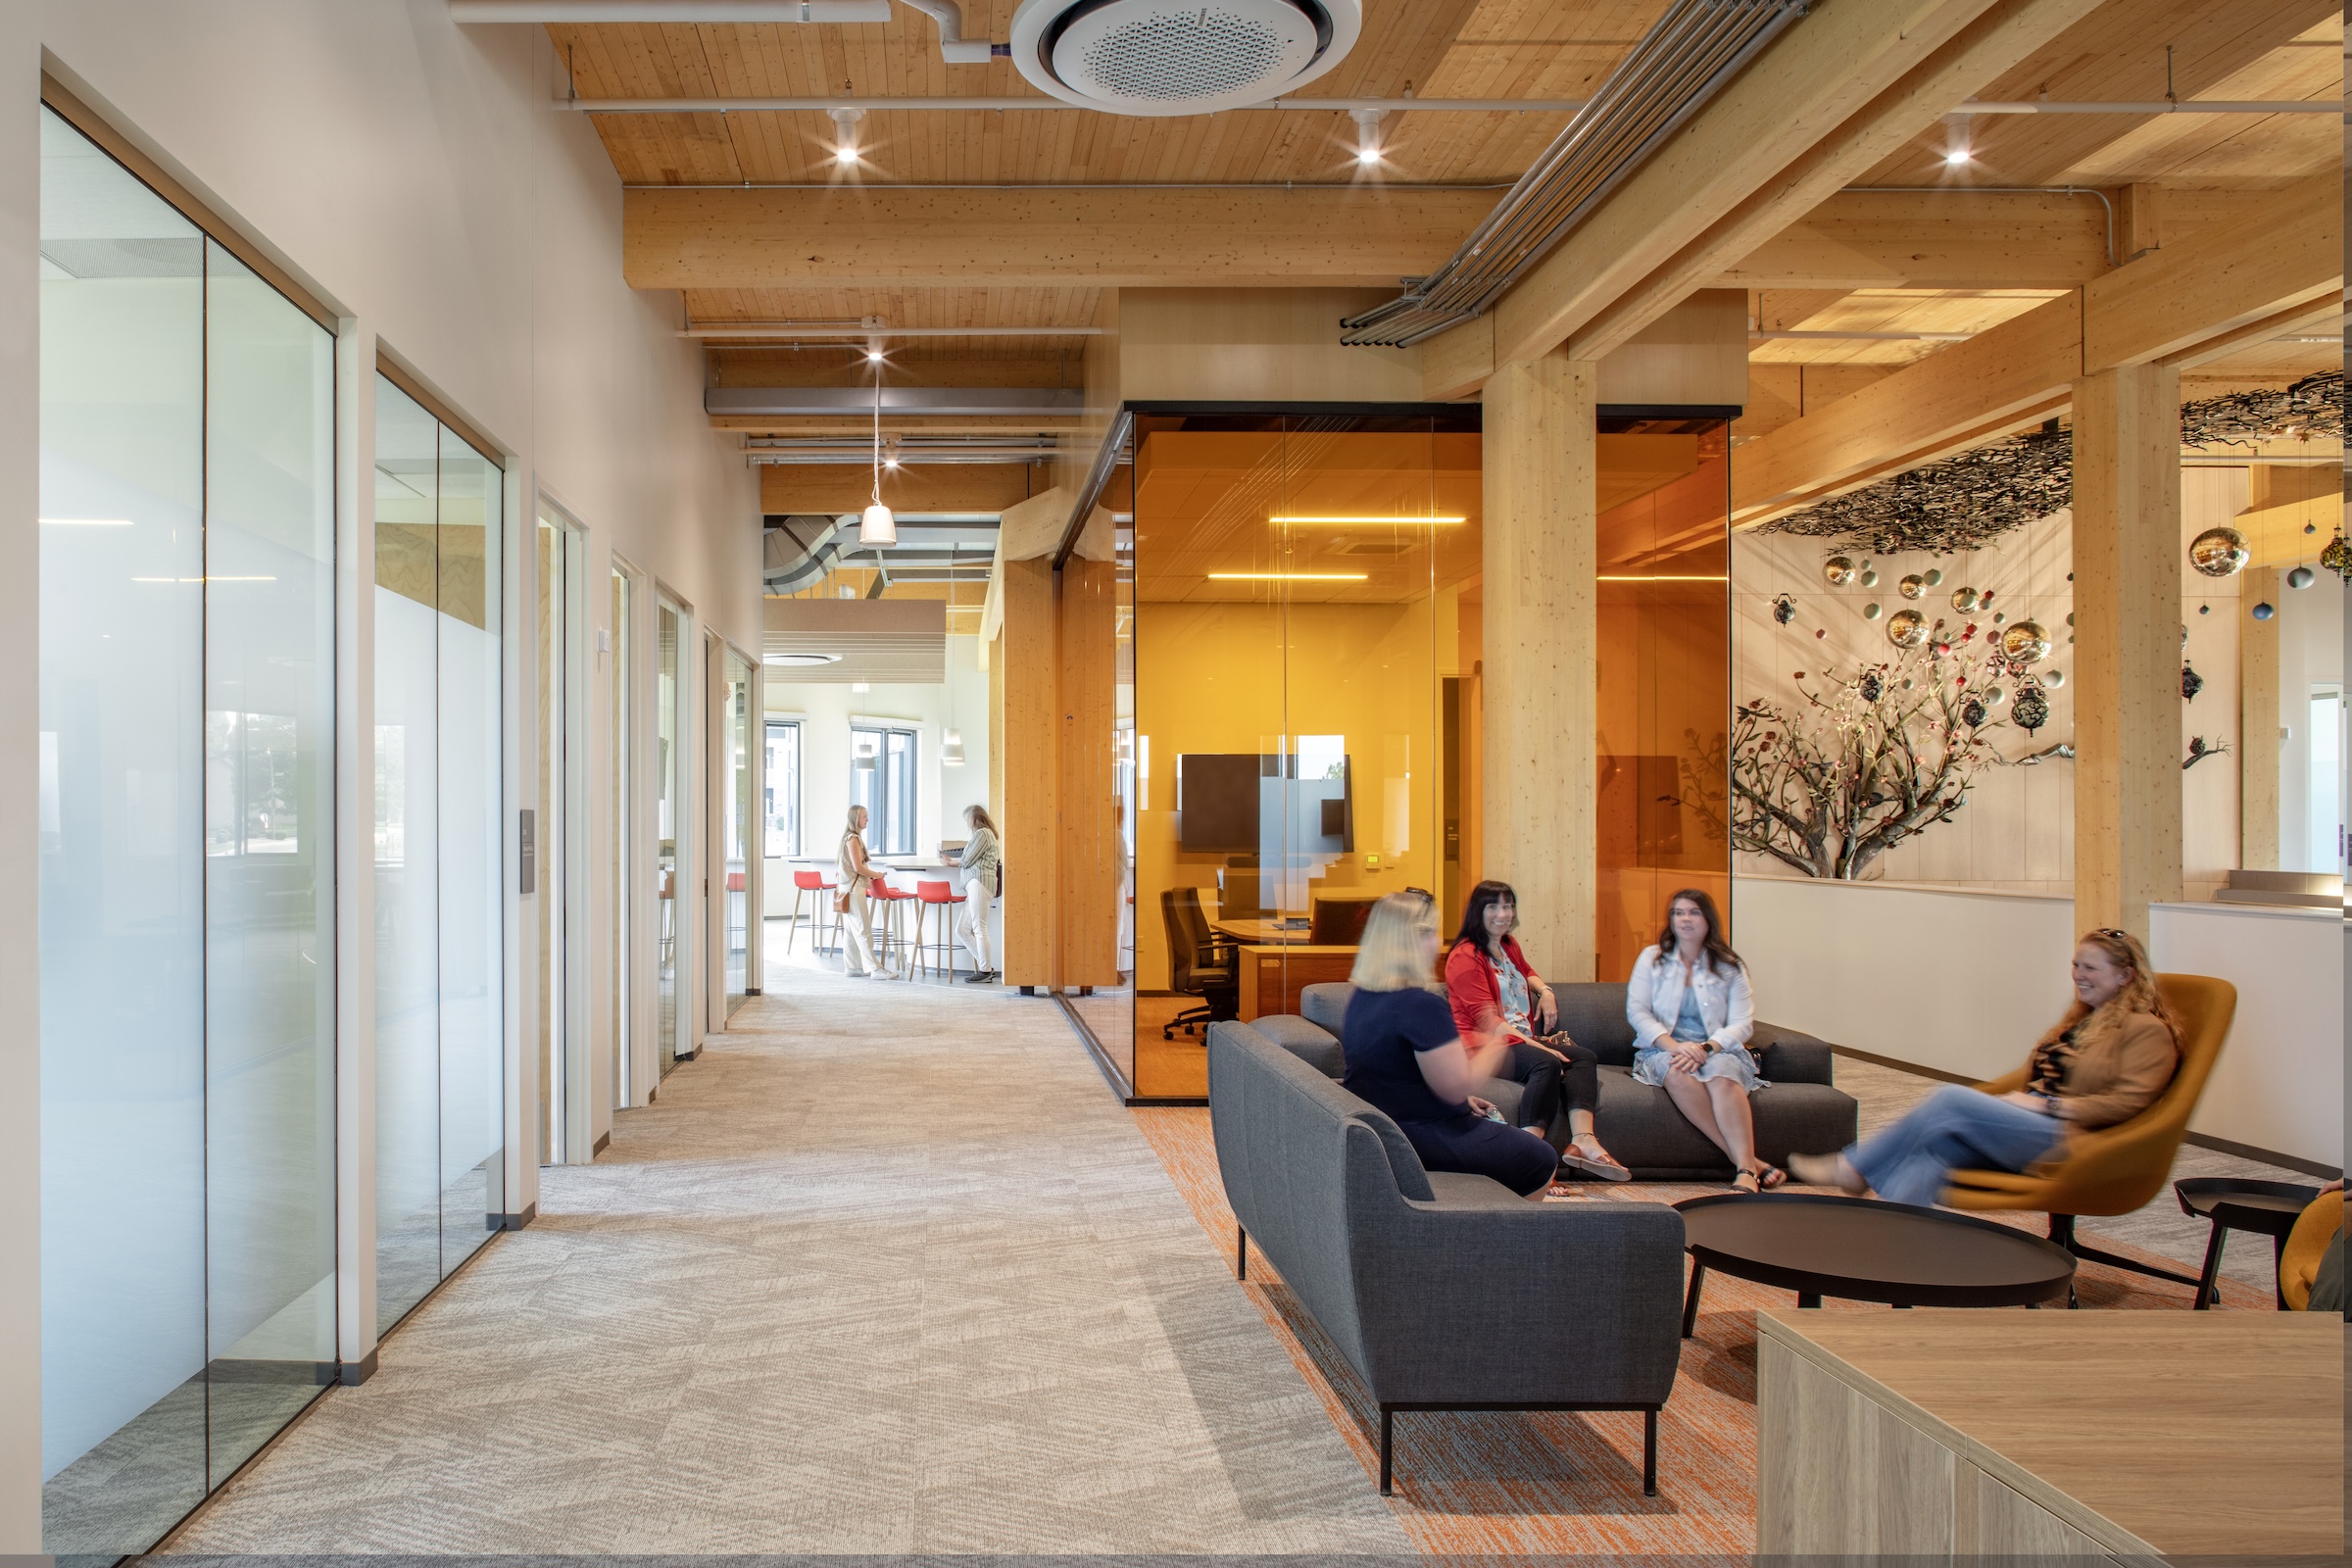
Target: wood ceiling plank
pixel 2116 54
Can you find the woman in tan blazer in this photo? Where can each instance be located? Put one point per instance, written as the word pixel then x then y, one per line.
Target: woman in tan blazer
pixel 2104 1063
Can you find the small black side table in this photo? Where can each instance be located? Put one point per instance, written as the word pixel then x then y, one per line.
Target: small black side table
pixel 2268 1208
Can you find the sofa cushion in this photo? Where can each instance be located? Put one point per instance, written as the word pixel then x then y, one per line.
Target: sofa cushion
pixel 1643 1127
pixel 1318 1048
pixel 1326 1004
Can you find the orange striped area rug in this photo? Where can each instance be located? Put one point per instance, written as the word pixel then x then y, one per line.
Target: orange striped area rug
pixel 1544 1483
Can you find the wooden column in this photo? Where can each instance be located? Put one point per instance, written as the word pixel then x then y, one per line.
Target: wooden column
pixel 2258 723
pixel 2127 550
pixel 1537 677
pixel 1025 804
pixel 1087 910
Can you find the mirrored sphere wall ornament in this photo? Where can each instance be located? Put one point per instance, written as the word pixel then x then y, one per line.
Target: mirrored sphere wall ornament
pixel 2024 643
pixel 1783 609
pixel 2300 577
pixel 1907 629
pixel 1912 587
pixel 1872 610
pixel 1934 577
pixel 1966 600
pixel 1837 572
pixel 2219 553
pixel 2264 611
pixel 2032 710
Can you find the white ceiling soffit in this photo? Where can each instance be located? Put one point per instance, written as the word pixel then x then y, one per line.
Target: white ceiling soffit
pixel 881 641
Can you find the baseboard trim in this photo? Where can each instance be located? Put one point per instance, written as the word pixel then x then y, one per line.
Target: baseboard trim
pixel 603 1141
pixel 2220 1145
pixel 514 1222
pixel 350 1374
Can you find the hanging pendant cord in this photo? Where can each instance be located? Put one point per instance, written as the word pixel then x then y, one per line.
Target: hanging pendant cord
pixel 877 432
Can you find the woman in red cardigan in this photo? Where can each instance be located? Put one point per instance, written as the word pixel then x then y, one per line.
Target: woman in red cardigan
pixel 1496 995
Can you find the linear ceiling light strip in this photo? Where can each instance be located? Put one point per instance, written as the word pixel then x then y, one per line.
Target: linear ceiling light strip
pixel 1683 62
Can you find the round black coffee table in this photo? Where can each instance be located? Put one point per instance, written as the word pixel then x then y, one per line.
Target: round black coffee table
pixel 2268 1208
pixel 1863 1250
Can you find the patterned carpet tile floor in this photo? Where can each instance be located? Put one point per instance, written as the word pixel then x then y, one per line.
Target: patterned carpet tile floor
pixel 1558 1484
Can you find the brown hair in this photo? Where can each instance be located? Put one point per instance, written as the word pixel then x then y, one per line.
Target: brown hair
pixel 2139 995
pixel 1718 954
pixel 978 817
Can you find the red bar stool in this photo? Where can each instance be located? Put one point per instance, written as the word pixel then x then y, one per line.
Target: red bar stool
pixel 939 894
pixel 890 940
pixel 804 883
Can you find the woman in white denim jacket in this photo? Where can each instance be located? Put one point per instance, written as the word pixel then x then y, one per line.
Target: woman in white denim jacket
pixel 1689 1001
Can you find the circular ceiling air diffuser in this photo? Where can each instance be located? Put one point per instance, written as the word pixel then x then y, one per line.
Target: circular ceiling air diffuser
pixel 1170 57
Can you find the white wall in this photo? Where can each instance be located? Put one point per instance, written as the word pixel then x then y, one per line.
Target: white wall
pixel 407 171
pixel 825 710
pixel 1964 982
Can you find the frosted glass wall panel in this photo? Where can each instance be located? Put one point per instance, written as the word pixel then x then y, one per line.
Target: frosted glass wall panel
pixel 408 979
pixel 186 858
pixel 439 936
pixel 122 854
pixel 473 532
pixel 671 817
pixel 269 948
pixel 738 762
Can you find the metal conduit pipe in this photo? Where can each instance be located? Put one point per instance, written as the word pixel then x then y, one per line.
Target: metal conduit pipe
pixel 1695 48
pixel 954 47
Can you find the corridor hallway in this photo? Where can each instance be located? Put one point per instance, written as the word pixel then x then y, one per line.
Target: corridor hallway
pixel 885 1271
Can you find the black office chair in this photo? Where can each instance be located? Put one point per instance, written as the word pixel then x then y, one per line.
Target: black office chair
pixel 1201 962
pixel 1338 922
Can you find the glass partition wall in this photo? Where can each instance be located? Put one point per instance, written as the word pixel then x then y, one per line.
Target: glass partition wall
pixel 737 702
pixel 673 1028
pixel 187 792
pixel 1298 585
pixel 440 541
pixel 1665 676
pixel 621 861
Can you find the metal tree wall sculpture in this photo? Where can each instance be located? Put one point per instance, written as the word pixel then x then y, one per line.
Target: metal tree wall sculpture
pixel 1868 759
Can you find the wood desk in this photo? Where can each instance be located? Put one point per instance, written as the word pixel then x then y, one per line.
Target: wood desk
pixel 1272 976
pixel 2077 1434
pixel 1262 933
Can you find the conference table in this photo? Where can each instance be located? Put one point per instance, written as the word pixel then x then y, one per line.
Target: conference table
pixel 1275 963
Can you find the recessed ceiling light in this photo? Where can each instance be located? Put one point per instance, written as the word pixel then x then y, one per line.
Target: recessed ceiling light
pixel 873 356
pixel 1955 158
pixel 803 661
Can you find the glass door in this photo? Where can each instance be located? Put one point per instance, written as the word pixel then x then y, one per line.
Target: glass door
pixel 563 1069
pixel 621 863
pixel 672 819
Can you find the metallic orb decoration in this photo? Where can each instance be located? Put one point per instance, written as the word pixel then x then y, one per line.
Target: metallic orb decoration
pixel 1837 572
pixel 1972 712
pixel 1869 578
pixel 1994 697
pixel 1820 631
pixel 2338 556
pixel 2024 643
pixel 1871 611
pixel 1783 609
pixel 1872 688
pixel 2191 682
pixel 2264 611
pixel 1912 587
pixel 2000 616
pixel 2219 553
pixel 1907 629
pixel 2054 679
pixel 2300 577
pixel 2070 620
pixel 1966 600
pixel 1934 575
pixel 2202 610
pixel 2310 528
pixel 2032 710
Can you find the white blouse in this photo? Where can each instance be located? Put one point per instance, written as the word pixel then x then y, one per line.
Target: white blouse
pixel 1653 997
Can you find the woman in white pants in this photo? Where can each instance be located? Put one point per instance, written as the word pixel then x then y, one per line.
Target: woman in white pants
pixel 857 872
pixel 982 854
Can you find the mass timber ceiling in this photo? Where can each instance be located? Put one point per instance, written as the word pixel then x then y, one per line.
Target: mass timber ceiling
pixel 1846 286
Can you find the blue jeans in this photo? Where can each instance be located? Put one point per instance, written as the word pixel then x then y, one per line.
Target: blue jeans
pixel 1952 1128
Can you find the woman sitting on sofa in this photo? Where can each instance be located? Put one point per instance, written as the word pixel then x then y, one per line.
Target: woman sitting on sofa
pixel 1496 995
pixel 1689 1001
pixel 2102 1064
pixel 1406 1057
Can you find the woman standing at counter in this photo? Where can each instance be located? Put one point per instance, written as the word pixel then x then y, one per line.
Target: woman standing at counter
pixel 983 854
pixel 858 873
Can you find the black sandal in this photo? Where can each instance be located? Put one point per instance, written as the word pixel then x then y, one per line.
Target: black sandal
pixel 1745 1175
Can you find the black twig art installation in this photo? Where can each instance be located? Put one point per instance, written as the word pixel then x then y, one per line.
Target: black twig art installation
pixel 1965 503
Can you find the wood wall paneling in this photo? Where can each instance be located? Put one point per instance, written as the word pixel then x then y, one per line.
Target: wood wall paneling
pixel 1027 802
pixel 1088 851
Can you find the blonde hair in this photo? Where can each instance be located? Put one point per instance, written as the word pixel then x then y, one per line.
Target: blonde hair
pixel 977 816
pixel 1393 954
pixel 850 825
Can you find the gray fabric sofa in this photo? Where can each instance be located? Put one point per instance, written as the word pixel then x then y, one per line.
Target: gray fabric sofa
pixel 1802 1112
pixel 1444 1292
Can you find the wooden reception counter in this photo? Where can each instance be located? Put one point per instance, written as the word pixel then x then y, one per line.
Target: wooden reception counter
pixel 2052 1433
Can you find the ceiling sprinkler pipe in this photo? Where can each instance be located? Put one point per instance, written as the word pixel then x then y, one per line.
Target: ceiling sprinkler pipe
pixel 954 47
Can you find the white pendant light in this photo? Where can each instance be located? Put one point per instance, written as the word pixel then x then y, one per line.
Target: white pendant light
pixel 877 528
pixel 951 749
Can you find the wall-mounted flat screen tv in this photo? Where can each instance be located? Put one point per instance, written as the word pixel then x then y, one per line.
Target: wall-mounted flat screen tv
pixel 1240 802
